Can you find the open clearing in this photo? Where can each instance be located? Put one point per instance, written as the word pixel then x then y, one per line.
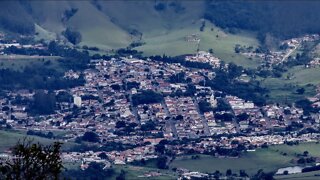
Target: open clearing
pixel 283 90
pixel 303 76
pixel 173 43
pixel 285 93
pixel 269 159
pixel 132 172
pixel 9 139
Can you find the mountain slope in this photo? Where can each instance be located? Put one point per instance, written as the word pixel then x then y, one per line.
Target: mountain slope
pixel 111 24
pixel 284 19
pixel 161 24
pixel 143 17
pixel 15 18
pixel 96 28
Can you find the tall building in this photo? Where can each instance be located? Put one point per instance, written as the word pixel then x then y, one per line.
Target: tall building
pixel 213 101
pixel 77 101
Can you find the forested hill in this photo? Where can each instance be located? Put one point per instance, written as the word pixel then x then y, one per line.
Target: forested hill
pixel 282 18
pixel 129 19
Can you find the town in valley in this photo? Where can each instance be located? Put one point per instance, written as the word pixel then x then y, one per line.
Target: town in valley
pixel 127 109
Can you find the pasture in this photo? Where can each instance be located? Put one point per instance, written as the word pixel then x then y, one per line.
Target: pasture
pixel 283 89
pixel 173 43
pixel 269 159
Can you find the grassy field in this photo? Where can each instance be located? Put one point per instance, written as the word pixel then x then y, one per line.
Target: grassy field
pixel 312 148
pixel 285 93
pixel 132 172
pixel 43 34
pixel 72 165
pixel 98 30
pixel 303 76
pixel 10 138
pixel 283 90
pixel 251 162
pixel 269 159
pixel 19 62
pixel 173 43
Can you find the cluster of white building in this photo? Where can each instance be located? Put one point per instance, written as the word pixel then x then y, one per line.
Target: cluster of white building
pixel 204 57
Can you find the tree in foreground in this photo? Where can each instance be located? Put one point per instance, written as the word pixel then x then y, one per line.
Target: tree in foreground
pixel 33 161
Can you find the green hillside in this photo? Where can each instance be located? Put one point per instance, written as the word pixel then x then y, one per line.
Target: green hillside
pixel 283 19
pixel 161 25
pixel 222 43
pixel 96 28
pixel 15 18
pixel 143 17
pixel 158 17
pixel 283 90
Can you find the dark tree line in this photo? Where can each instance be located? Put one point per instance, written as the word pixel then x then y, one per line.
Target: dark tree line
pixel 42 76
pixel 73 36
pixel 205 106
pixel 283 19
pixel 36 77
pixel 307 107
pixel 43 103
pixel 48 135
pixel 68 14
pixel 72 58
pixel 225 82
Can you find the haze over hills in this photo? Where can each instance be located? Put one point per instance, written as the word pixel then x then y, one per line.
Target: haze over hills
pixel 116 24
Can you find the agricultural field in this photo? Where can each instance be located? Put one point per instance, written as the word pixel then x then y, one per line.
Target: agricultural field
pixel 269 159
